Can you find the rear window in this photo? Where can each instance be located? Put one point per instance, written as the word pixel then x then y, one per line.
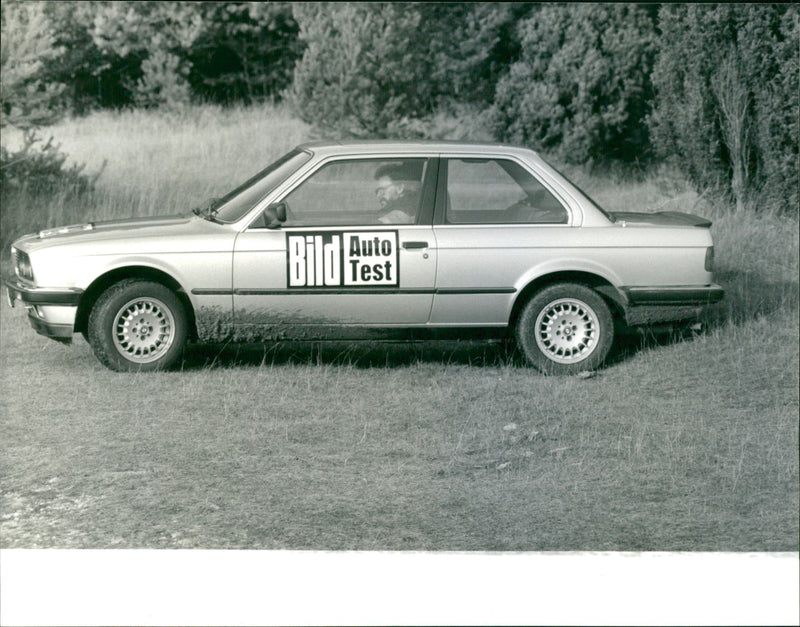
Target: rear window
pixel 498 191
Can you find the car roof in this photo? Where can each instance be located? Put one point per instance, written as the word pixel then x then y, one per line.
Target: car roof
pixel 377 146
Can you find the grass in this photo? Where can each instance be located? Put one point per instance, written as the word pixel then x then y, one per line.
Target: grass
pixel 153 163
pixel 680 443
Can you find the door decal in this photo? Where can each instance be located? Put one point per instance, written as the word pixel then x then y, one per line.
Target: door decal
pixel 354 259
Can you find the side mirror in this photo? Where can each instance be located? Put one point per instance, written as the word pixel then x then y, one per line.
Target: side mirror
pixel 275 214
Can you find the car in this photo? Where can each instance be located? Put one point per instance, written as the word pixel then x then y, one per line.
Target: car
pixel 390 240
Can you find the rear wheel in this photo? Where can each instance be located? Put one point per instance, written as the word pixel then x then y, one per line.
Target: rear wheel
pixel 137 325
pixel 565 328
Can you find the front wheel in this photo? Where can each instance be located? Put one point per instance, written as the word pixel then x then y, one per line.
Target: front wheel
pixel 565 328
pixel 137 325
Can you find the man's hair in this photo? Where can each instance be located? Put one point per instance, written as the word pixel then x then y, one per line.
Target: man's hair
pixel 401 170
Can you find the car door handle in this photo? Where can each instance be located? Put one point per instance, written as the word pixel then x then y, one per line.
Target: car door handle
pixel 410 245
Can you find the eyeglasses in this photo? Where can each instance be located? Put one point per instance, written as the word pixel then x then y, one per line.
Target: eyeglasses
pixel 382 189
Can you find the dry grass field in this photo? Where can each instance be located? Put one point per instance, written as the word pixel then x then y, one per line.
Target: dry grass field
pixel 681 443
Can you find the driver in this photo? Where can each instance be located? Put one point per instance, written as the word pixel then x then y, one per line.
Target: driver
pixel 398 193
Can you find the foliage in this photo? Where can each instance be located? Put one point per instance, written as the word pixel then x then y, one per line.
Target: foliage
pixel 36 184
pixel 118 54
pixel 471 45
pixel 27 44
pixel 156 36
pixel 713 88
pixel 364 68
pixel 30 99
pixel 582 85
pixel 383 69
pixel 38 168
pixel 727 99
pixel 246 52
pixel 92 79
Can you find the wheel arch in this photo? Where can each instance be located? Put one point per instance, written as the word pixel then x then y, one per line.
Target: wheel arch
pixel 106 280
pixel 613 297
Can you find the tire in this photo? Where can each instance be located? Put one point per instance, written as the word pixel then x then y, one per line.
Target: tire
pixel 565 328
pixel 137 326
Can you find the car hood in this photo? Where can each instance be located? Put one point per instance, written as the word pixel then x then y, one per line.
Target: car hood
pixel 660 218
pixel 103 226
pixel 108 230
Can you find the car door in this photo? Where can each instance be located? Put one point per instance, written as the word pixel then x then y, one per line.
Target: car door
pixel 495 221
pixel 338 264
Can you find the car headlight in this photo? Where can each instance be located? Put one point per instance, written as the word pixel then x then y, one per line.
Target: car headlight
pixel 22 265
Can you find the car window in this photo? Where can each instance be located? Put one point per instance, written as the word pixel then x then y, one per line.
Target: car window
pixel 498 191
pixel 236 203
pixel 358 191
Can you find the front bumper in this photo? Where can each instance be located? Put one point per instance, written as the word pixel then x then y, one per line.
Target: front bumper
pixel 51 311
pixel 30 295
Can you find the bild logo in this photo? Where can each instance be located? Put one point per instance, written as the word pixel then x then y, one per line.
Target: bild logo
pixel 342 259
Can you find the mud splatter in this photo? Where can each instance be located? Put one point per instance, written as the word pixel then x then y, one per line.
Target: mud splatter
pixel 215 324
pixel 652 314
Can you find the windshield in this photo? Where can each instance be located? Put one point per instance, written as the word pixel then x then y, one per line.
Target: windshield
pixel 238 202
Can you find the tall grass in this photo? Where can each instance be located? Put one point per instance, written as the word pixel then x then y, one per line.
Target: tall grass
pixel 154 163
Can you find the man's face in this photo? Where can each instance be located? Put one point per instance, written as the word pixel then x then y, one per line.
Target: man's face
pixel 388 190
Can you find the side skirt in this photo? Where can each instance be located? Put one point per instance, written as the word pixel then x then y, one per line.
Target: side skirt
pixel 276 333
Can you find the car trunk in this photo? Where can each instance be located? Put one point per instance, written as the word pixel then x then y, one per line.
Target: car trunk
pixel 661 218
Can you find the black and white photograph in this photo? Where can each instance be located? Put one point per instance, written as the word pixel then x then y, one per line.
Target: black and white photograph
pixel 399 313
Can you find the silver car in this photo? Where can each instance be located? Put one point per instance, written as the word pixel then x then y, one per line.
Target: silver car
pixel 372 240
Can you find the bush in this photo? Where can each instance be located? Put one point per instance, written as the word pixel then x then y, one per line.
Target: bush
pixel 471 46
pixel 153 40
pixel 246 52
pixel 581 88
pixel 364 71
pixel 726 109
pixel 37 187
pixel 91 78
pixel 393 70
pixel 39 170
pixel 27 45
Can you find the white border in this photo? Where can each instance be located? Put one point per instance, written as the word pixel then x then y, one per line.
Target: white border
pixel 163 587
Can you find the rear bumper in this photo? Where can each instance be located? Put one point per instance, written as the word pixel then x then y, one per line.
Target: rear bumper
pixel 675 296
pixel 649 305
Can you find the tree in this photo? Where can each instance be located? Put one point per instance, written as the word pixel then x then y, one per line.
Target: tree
pixel 734 101
pixel 726 110
pixel 364 71
pixel 162 53
pixel 581 87
pixel 27 45
pixel 36 171
pixel 91 78
pixel 471 45
pixel 385 69
pixel 154 37
pixel 246 52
